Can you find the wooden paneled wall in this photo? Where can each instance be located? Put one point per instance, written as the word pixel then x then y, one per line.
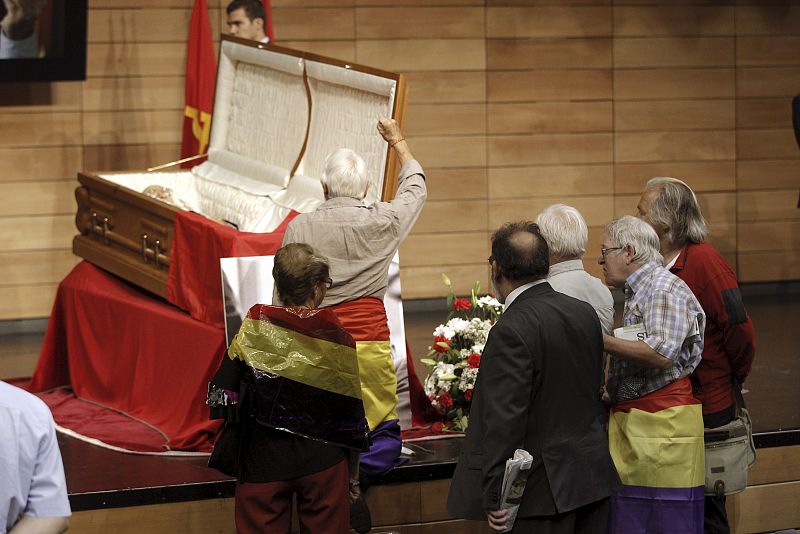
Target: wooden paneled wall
pixel 514 105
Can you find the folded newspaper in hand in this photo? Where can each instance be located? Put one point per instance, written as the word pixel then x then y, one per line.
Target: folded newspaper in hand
pixel 514 479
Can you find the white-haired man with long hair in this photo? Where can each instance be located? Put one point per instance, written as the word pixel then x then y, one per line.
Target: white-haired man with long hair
pixel 359 242
pixel 566 233
pixel 655 427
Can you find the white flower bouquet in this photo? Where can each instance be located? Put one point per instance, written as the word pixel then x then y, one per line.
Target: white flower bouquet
pixel 455 355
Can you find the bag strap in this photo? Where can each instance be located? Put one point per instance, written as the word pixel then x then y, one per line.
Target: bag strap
pixel 737 395
pixel 743 413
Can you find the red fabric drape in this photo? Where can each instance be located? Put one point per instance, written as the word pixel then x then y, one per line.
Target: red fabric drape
pixel 422 412
pixel 122 348
pixel 194 283
pixel 363 318
pixel 201 78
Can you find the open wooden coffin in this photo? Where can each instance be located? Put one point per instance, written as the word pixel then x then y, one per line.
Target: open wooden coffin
pixel 277 114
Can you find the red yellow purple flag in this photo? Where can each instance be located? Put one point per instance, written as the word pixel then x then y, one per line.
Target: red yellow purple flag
pixel 201 74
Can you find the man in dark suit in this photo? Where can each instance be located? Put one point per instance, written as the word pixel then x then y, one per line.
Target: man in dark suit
pixel 538 389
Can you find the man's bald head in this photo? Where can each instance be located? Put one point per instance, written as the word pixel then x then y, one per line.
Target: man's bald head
pixel 521 253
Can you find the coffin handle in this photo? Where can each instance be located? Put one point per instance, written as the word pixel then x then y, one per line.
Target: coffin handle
pixel 106 229
pixel 144 248
pixel 156 252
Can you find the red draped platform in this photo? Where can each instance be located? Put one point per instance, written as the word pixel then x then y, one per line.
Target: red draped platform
pixel 139 366
pixel 120 347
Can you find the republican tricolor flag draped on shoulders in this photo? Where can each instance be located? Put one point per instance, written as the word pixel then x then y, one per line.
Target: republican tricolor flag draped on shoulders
pixel 201 75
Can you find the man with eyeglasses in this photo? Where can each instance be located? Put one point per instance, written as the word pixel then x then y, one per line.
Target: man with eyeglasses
pixel 656 424
pixel 536 390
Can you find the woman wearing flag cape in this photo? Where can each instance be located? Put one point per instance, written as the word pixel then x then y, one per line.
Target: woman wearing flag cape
pixel 301 414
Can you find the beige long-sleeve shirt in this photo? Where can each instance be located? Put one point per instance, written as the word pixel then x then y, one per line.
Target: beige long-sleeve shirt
pixel 359 241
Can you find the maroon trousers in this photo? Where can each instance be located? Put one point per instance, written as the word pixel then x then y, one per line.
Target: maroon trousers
pixel 323 503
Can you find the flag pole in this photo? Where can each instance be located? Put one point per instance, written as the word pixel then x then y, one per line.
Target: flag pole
pixel 176 162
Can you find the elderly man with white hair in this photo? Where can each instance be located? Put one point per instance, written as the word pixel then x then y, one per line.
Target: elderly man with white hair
pixel 566 233
pixel 359 242
pixel 656 425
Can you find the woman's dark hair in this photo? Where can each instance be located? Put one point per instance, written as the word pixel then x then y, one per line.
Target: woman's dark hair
pixel 297 271
pixel 521 252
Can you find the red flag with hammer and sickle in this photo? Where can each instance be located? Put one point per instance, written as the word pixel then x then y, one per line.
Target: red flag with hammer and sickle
pixel 201 76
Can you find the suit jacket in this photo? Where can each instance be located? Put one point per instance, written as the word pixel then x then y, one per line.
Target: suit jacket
pixel 538 389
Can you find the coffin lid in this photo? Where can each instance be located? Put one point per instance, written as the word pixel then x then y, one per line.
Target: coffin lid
pixel 279 112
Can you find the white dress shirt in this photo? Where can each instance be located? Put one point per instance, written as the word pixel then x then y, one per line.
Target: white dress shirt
pixel 31 472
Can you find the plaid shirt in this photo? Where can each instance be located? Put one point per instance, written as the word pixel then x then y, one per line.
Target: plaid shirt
pixel 674 323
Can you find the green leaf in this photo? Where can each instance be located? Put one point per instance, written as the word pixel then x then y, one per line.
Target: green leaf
pixel 446 280
pixel 428 361
pixel 442 344
pixel 448 376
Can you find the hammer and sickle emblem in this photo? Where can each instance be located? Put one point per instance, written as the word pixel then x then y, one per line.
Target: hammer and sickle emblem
pixel 201 126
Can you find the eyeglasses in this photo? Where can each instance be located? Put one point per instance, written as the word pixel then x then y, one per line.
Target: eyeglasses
pixel 604 251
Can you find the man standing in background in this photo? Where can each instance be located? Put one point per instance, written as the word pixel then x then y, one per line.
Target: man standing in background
pixel 670 207
pixel 247 19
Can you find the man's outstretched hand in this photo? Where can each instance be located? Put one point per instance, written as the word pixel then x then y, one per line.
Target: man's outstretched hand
pixel 390 130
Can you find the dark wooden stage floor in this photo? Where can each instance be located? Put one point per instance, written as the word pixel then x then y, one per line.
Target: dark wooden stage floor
pixel 102 479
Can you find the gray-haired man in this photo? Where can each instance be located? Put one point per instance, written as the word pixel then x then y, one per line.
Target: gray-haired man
pixel 566 233
pixel 656 426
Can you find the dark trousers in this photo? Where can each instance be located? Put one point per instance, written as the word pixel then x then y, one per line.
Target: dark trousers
pixel 589 519
pixel 323 503
pixel 715 517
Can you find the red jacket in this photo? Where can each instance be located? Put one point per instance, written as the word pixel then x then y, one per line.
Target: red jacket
pixel 729 346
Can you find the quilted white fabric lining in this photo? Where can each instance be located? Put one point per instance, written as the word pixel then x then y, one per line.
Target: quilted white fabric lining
pixel 343 117
pixel 260 114
pixel 250 213
pixel 346 106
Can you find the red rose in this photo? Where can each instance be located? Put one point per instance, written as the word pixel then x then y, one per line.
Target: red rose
pixel 474 360
pixel 468 394
pixel 462 305
pixel 445 400
pixel 441 344
pixel 438 426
